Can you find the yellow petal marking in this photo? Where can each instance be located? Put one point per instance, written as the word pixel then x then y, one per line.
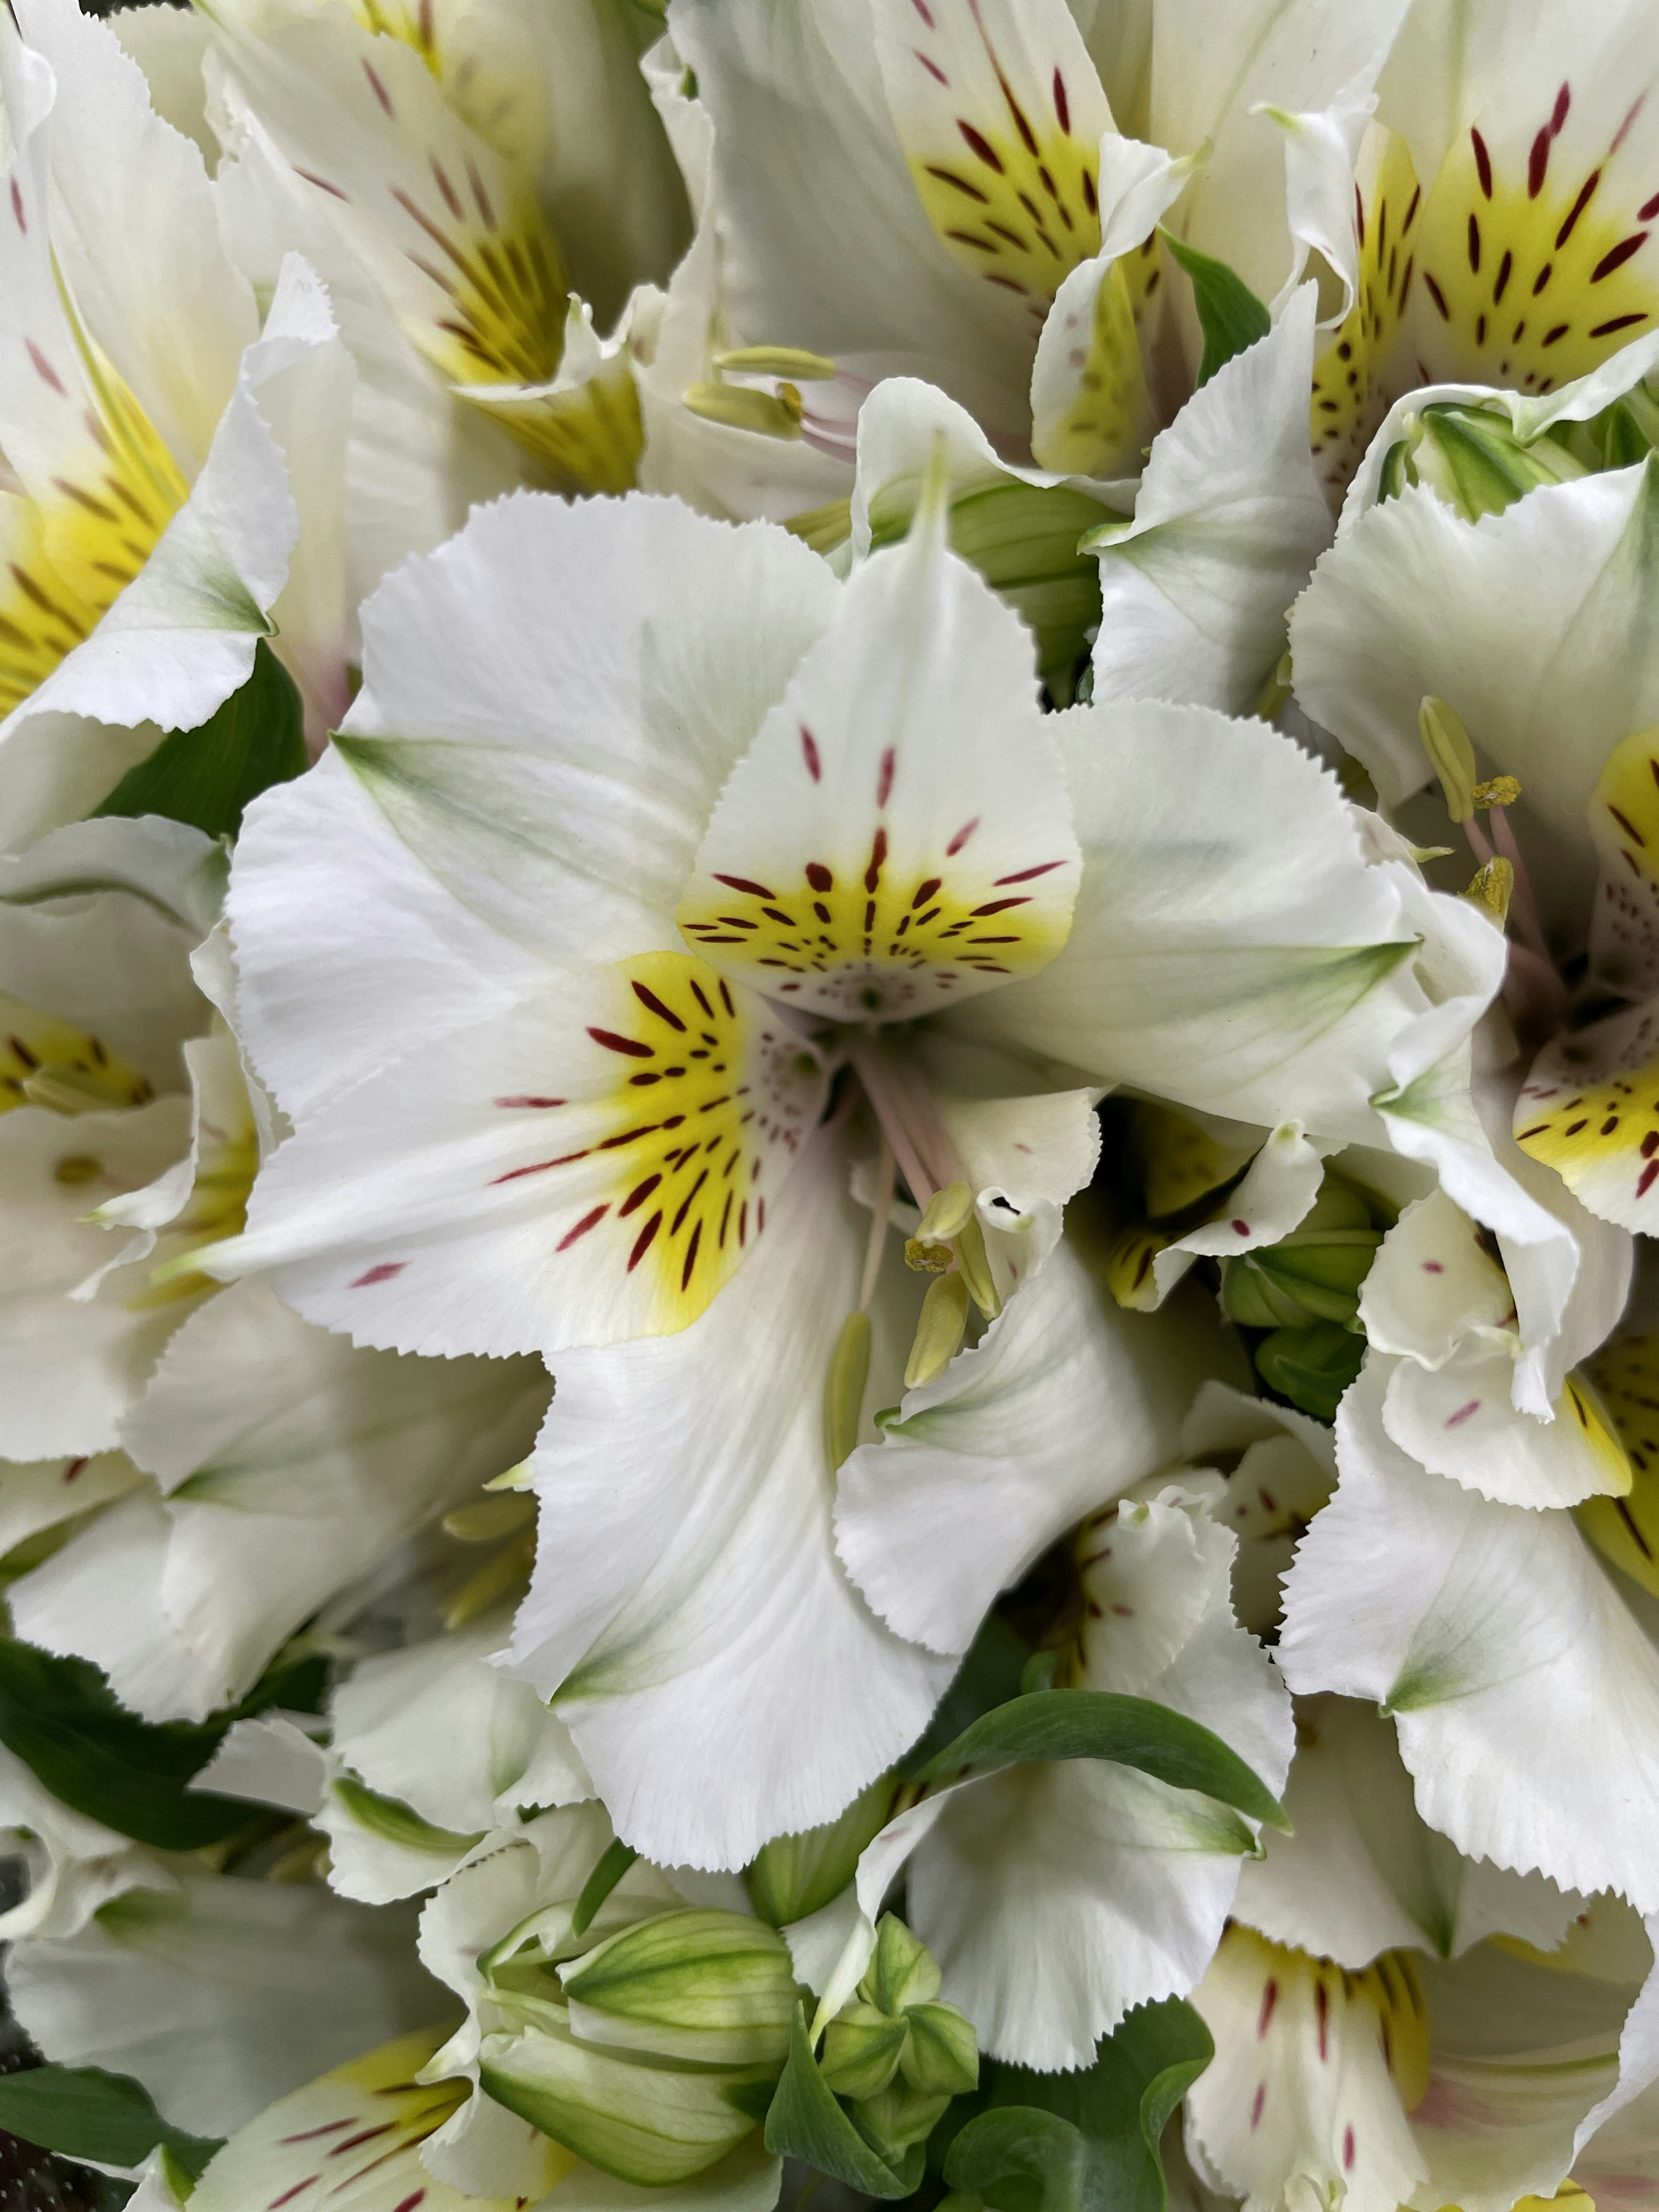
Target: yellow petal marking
pixel 1626 1529
pixel 1590 1110
pixel 1180 1162
pixel 1304 1996
pixel 1013 196
pixel 587 439
pixel 41 1057
pixel 353 2137
pixel 63 561
pixel 672 1166
pixel 1624 821
pixel 1109 423
pixel 1350 390
pixel 883 936
pixel 1531 275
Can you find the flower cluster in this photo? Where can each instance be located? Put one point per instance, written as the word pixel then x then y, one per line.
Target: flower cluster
pixel 829 1082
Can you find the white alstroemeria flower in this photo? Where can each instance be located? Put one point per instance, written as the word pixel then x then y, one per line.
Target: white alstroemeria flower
pixel 126 1135
pixel 170 492
pixel 399 1820
pixel 895 194
pixel 1520 1668
pixel 1057 1896
pixel 1502 213
pixel 221 1995
pixel 1280 1466
pixel 73 1865
pixel 887 866
pixel 500 178
pixel 1407 2081
pixel 286 1466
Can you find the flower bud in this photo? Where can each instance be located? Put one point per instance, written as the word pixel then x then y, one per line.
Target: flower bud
pixel 717 1988
pixel 1311 1367
pixel 646 2123
pixel 942 2056
pixel 1312 1274
pixel 1470 458
pixel 862 2047
pixel 898 2116
pixel 901 1972
pixel 793 1875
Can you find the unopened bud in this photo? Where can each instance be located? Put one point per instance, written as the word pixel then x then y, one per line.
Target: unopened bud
pixel 942 2056
pixel 901 1972
pixel 1313 1273
pixel 1312 1367
pixel 843 1388
pixel 862 2047
pixel 1470 458
pixel 647 2124
pixel 1491 888
pixel 718 1988
pixel 743 407
pixel 939 1330
pixel 1447 744
pixel 899 2115
pixel 795 1875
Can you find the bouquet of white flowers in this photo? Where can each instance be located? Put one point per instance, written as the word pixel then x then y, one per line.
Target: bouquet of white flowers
pixel 829 1078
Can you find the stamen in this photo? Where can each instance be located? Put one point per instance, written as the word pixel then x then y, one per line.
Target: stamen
pixel 1527 921
pixel 1447 744
pixel 939 1331
pixel 843 1388
pixel 1491 889
pixel 741 407
pixel 779 361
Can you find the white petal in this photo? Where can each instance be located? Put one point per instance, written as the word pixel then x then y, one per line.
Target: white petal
pixel 1458 1420
pixel 1431 1284
pixel 1526 1693
pixel 897 837
pixel 73 1866
pixel 1230 949
pixel 1229 520
pixel 468 1209
pixel 1067 1402
pixel 687 1605
pixel 1278 1187
pixel 222 1999
pixel 1363 1875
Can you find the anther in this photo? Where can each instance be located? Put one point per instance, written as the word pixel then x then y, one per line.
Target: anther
pixel 1492 890
pixel 843 1388
pixel 939 1331
pixel 1447 743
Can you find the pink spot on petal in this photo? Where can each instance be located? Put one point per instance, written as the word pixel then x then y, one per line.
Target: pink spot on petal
pixel 885 780
pixel 1347 2150
pixel 1456 1420
pixel 1259 2100
pixel 1241 1228
pixel 1269 1996
pixel 1433 1268
pixel 44 369
pixel 1643 1181
pixel 931 67
pixel 961 838
pixel 17 208
pixel 73 1469
pixel 810 751
pixel 383 1273
pixel 528 1099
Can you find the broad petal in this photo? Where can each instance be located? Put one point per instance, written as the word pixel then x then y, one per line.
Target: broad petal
pixel 1460 1421
pixel 613 729
pixel 1525 1691
pixel 1586 1111
pixel 1304 2097
pixel 1527 624
pixel 1231 948
pixel 221 1998
pixel 1066 1401
pixel 826 242
pixel 1277 1188
pixel 1363 1873
pixel 293 1465
pixel 1228 521
pixel 897 838
pixel 483 1213
pixel 1431 1284
pixel 688 1606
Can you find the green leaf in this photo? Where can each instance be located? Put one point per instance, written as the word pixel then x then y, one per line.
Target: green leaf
pixel 1085 2141
pixel 613 1863
pixel 59 1717
pixel 1128 1731
pixel 81 2111
pixel 808 2122
pixel 1229 313
pixel 206 776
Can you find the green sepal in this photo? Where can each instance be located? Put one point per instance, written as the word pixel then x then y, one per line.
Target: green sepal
pixel 1229 313
pixel 806 2122
pixel 1128 1731
pixel 82 2111
pixel 793 1875
pixel 60 1717
pixel 1085 2141
pixel 209 775
pixel 612 1865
